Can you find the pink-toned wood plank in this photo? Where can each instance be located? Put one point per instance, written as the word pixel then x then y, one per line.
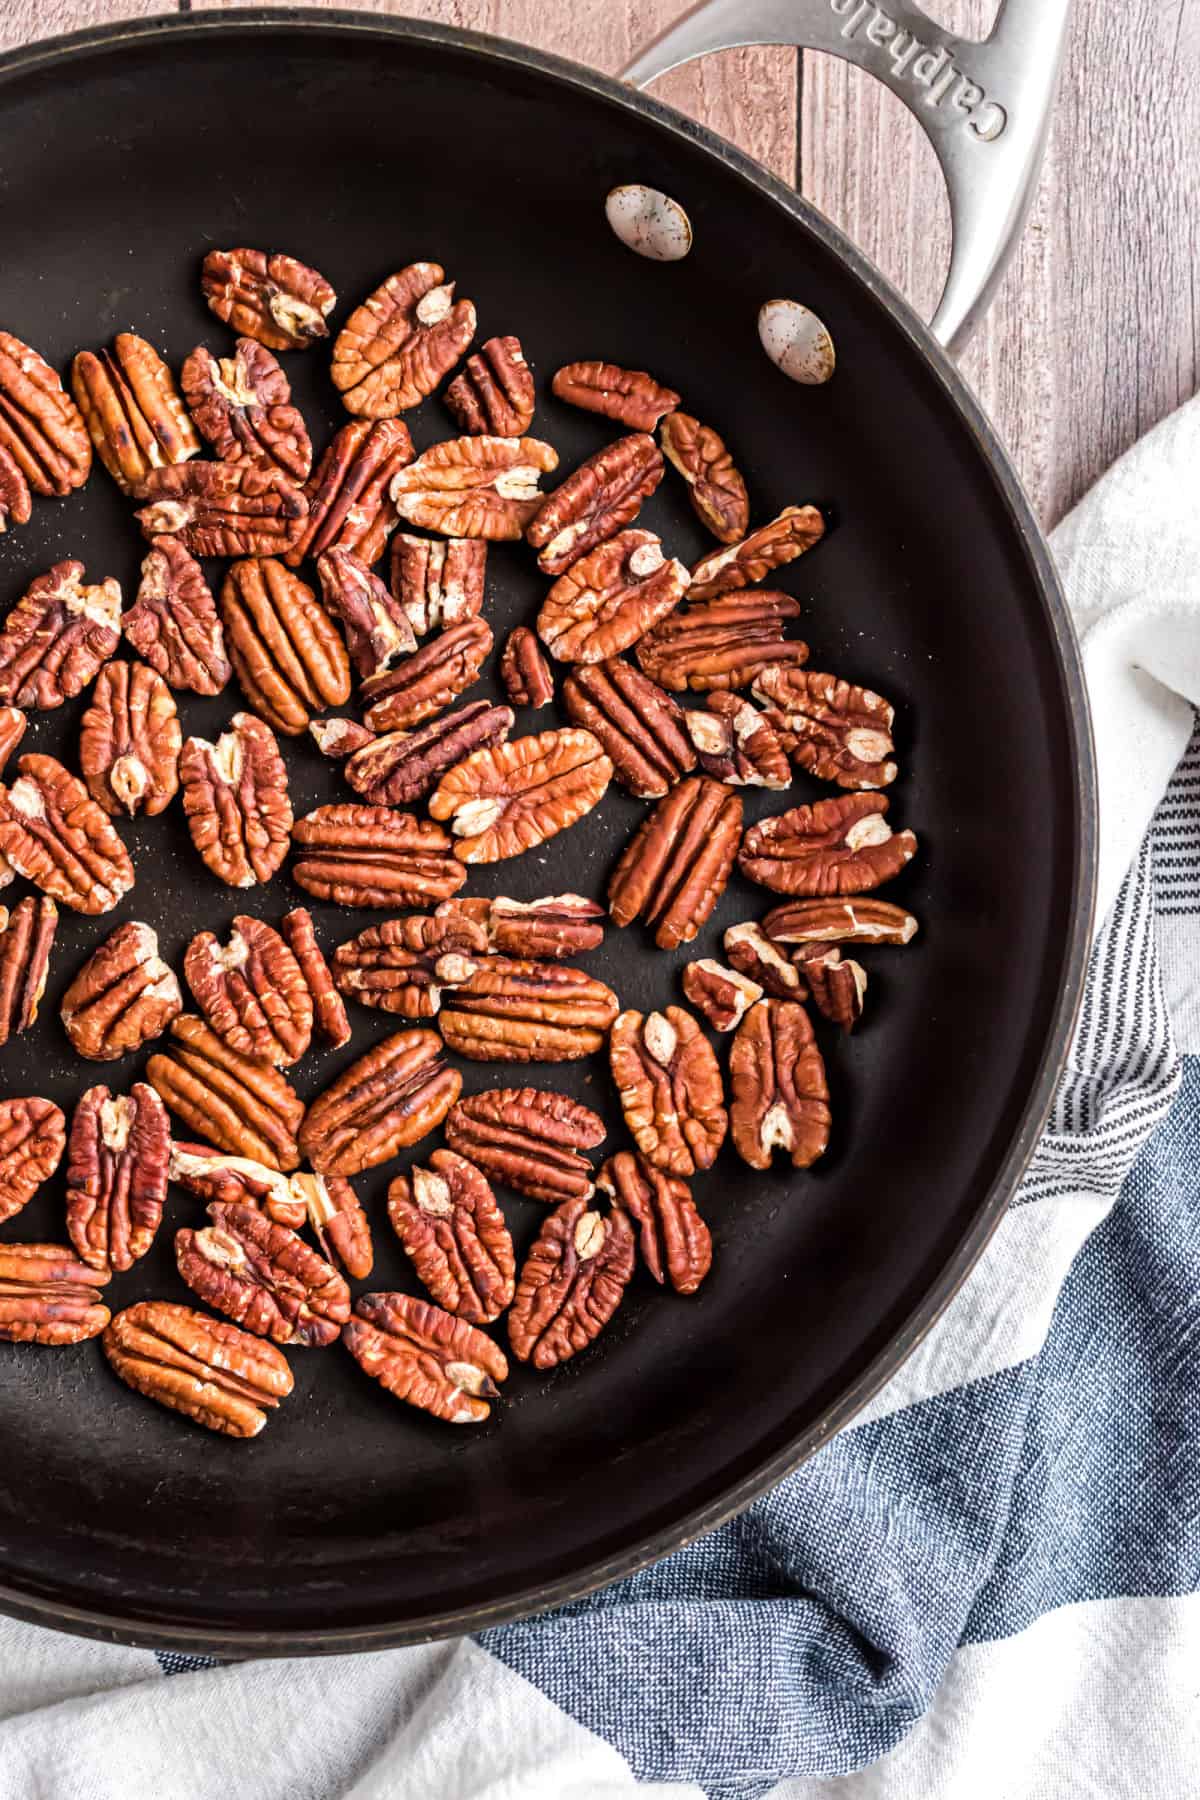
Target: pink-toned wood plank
pixel 24 21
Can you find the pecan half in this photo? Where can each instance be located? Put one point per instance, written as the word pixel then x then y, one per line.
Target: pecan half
pixel 48 1297
pixel 329 1015
pixel 252 992
pixel 56 637
pixel 603 495
pixel 572 1283
pixel 347 493
pixel 132 409
pixel 40 426
pixel 404 965
pixel 722 995
pixel 117 1175
pixel 426 1357
pixel 562 925
pixel 395 348
pixel 780 1095
pixel 242 405
pixel 754 955
pixel 173 622
pixel 16 501
pixel 455 1236
pixel 639 725
pixel 391 1097
pixel 837 987
pixel 32 1135
pixel 514 1010
pixel 514 796
pixel 283 644
pixel 475 487
pixel 609 599
pixel 670 1087
pixel 13 725
pixel 723 643
pixel 630 396
pixel 213 1373
pixel 834 921
pixel 421 685
pixel 675 1242
pixel 26 939
pixel 261 1275
pixel 715 488
pixel 129 741
pixel 123 996
pixel 401 766
pixel 752 558
pixel 674 868
pixel 842 846
pixel 235 795
pixel 338 1222
pixel 371 856
pixel 53 833
pixel 377 629
pixel 494 390
pixel 275 299
pixel 338 738
pixel 737 743
pixel 525 671
pixel 528 1139
pixel 835 731
pixel 222 509
pixel 438 582
pixel 238 1105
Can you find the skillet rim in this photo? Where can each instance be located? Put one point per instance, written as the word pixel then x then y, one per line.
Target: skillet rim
pixel 109 1622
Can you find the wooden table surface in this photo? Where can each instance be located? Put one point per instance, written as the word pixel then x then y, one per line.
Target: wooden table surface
pixel 1096 331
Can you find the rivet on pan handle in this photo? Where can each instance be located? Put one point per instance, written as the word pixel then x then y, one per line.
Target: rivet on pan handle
pixel 985 107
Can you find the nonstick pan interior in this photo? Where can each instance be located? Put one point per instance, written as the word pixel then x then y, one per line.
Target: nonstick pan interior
pixel 354 1520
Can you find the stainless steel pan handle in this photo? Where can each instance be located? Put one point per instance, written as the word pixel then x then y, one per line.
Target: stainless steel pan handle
pixel 984 106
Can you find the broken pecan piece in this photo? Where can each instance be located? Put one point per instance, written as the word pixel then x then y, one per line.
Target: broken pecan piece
pixel 837 987
pixel 173 622
pixel 494 391
pixel 780 1095
pixel 572 1283
pixel 242 405
pixel 329 1015
pixel 639 725
pixel 675 1242
pixel 722 995
pixel 737 743
pixel 132 409
pixel 603 495
pixel 240 1180
pixel 741 565
pixel 835 731
pixel 715 488
pixel 754 955
pixel 834 921
pixel 674 868
pixel 403 965
pixel 371 856
pixel 48 1297
pixel 32 1135
pixel 242 1107
pixel 529 1139
pixel 252 992
pixel 16 501
pixel 455 1236
pixel 475 487
pixel 222 509
pixel 235 795
pixel 285 648
pixel 669 1083
pixel 630 396
pixel 723 643
pixel 338 738
pixel 56 637
pixel 40 426
pixel 438 582
pixel 129 741
pixel 514 1010
pixel 401 766
pixel 261 1275
pixel 26 939
pixel 123 996
pixel 53 833
pixel 338 1222
pixel 514 796
pixel 610 598
pixel 377 630
pixel 117 1175
pixel 422 684
pixel 426 1357
pixel 391 1097
pixel 13 725
pixel 215 1374
pixel 347 493
pixel 842 846
pixel 395 348
pixel 278 301
pixel 525 671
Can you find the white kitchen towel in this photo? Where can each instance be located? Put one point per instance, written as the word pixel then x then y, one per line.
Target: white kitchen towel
pixel 988 1586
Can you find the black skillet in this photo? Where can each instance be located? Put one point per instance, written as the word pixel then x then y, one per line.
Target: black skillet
pixel 360 144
